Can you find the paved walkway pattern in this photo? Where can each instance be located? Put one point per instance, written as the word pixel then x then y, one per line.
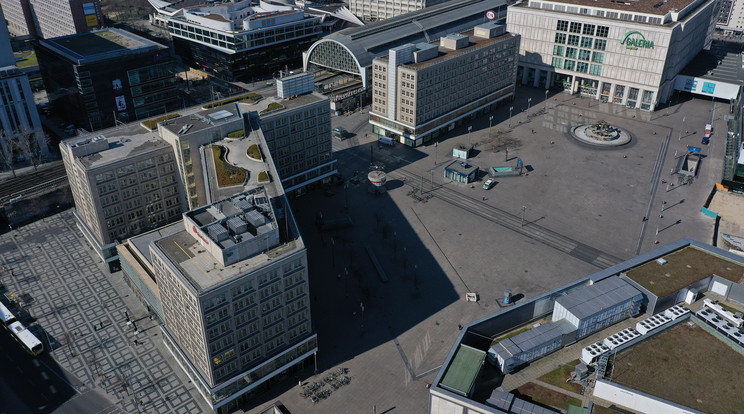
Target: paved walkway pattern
pixel 81 309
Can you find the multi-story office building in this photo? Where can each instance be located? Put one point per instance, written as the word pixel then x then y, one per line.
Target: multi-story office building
pixel 22 133
pixel 52 18
pixel 297 131
pixel 124 183
pixel 237 41
pixel 420 91
pixel 731 17
pixel 373 10
pixel 628 53
pixel 103 78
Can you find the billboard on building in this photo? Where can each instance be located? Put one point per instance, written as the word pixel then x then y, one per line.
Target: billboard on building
pixel 91 18
pixel 121 103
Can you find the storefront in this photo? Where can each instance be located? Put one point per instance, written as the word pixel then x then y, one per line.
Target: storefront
pixel 623 53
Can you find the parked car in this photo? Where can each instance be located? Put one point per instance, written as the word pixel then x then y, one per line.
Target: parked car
pixel 488 184
pixel 339 133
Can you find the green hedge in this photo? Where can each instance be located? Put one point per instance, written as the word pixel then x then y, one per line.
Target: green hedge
pixel 236 134
pixel 249 97
pixel 272 106
pixel 151 124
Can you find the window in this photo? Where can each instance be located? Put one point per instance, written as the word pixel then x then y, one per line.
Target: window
pixel 588 29
pixel 562 25
pixel 557 62
pixel 560 38
pixel 595 70
pixel 584 54
pixel 571 52
pixel 573 40
pixel 586 42
pixel 558 50
pixel 575 27
pixel 602 31
pixel 569 64
pixel 600 44
pixel 598 57
pixel 582 67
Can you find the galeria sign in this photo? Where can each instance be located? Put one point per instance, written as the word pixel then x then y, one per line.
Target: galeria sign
pixel 634 40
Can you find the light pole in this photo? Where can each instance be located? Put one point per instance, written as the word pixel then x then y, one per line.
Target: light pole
pixel 468 149
pixel 679 137
pixel 546 102
pixel 436 152
pixel 529 101
pixel 490 118
pixel 510 114
pixel 523 209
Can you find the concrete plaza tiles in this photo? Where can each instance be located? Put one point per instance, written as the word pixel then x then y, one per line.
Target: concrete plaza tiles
pixel 81 308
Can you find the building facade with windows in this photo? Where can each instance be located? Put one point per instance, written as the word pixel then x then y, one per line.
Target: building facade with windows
pixel 373 10
pixel 46 19
pixel 420 91
pixel 628 53
pixel 237 41
pixel 21 132
pixel 123 183
pixel 233 285
pixel 104 78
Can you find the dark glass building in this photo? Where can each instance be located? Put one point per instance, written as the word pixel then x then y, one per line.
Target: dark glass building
pixel 101 78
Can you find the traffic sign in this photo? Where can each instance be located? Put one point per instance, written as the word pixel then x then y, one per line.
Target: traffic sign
pixel 490 15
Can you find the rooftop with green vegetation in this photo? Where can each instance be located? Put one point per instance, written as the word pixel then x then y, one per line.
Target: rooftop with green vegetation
pixel 682 268
pixel 463 371
pixel 687 365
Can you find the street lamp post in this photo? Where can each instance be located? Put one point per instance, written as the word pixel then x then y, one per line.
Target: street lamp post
pixel 523 209
pixel 529 101
pixel 510 114
pixel 490 118
pixel 436 152
pixel 546 101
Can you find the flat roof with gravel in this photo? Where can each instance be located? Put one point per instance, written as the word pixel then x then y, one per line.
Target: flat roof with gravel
pixel 682 268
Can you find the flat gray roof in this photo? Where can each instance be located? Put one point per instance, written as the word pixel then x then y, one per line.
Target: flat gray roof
pixel 461 167
pixel 99 45
pixel 141 243
pixel 123 143
pixel 425 25
pixel 722 63
pixel 588 300
pixel 534 337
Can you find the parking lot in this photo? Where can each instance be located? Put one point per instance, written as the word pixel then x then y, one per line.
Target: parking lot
pixel 577 209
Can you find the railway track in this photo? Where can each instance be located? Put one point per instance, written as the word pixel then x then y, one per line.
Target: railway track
pixel 35 183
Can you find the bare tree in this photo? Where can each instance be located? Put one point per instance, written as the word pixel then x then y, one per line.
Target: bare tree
pixel 6 151
pixel 28 143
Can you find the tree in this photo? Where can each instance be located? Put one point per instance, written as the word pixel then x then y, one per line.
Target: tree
pixel 28 143
pixel 6 151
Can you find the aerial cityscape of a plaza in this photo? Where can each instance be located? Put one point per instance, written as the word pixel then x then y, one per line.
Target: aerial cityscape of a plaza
pixel 371 206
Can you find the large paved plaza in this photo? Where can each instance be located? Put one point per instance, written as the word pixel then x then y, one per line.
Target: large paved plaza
pixel 93 364
pixel 585 208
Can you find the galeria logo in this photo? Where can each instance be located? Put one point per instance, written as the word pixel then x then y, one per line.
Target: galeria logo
pixel 635 39
pixel 199 234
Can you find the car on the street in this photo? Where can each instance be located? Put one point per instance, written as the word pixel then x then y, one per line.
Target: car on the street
pixel 339 133
pixel 488 184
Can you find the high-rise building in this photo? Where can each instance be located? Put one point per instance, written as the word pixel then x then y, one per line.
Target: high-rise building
pixel 422 90
pixel 21 132
pixel 237 41
pixel 124 183
pixel 103 78
pixel 52 18
pixel 374 10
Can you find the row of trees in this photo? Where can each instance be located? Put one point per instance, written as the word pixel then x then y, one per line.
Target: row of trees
pixel 24 145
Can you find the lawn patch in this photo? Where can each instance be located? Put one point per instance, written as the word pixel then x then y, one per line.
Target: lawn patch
pixel 236 134
pixel 544 396
pixel 226 174
pixel 254 97
pixel 559 376
pixel 272 107
pixel 253 152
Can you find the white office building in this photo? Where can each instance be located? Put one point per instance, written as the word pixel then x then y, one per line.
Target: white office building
pixel 624 52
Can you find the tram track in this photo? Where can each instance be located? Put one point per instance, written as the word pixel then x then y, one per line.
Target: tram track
pixel 510 221
pixel 32 183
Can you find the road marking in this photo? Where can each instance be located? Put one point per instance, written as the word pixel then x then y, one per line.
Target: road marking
pixel 44 375
pixel 52 389
pixel 36 363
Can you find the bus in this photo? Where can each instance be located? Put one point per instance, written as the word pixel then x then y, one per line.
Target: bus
pixel 29 341
pixel 6 316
